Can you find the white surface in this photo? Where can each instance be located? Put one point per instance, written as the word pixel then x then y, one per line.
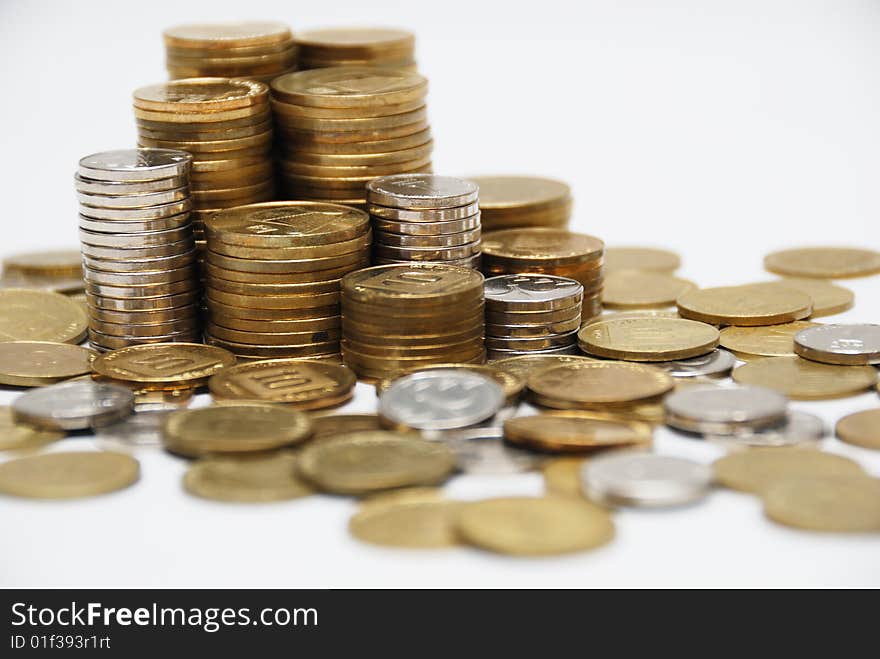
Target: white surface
pixel 723 129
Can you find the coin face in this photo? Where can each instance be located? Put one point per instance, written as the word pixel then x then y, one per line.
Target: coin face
pixel 160 363
pixel 840 344
pixel 861 429
pixel 69 475
pixel 828 298
pixel 536 244
pixel 372 38
pixel 74 405
pixel 37 363
pixel 599 382
pixel 714 364
pixel 524 365
pixel 411 283
pixel 759 469
pixel 645 480
pixel 424 522
pixel 824 262
pixel 633 289
pixel 802 379
pixel 647 259
pixel 15 436
pixel 27 315
pixel 753 304
pixel 574 431
pixel 510 383
pixel 349 86
pixel 226 35
pixel 798 429
pixel 648 339
pixel 724 409
pixel 200 94
pixel 841 505
pixel 531 292
pixel 764 341
pixel 421 191
pixel 247 479
pixel 135 164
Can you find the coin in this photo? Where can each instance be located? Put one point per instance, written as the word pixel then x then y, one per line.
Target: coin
pixel 802 379
pixel 201 94
pixel 332 426
pixel 631 289
pixel 533 292
pixel 840 344
pixel 134 165
pixel 725 411
pixel 37 363
pixel 798 429
pixel 648 339
pixel 484 451
pixel 717 363
pixel 15 436
pixel 647 259
pixel 74 405
pixel 523 366
pixel 763 341
pixel 27 315
pixel 540 245
pixel 414 524
pixel 752 304
pixel 861 429
pixel 172 363
pixel 247 479
pixel 69 475
pixel 511 384
pixel 342 87
pixel 574 432
pixel 143 428
pixel 824 262
pixel 352 42
pixel 828 298
pixel 509 195
pixel 411 191
pixel 55 263
pixel 598 383
pixel 759 469
pixel 415 284
pixel 534 526
pixel 226 35
pixel 842 505
pixel 562 477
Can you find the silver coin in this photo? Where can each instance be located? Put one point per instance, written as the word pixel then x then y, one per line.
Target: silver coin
pixel 533 318
pixel 115 188
pixel 138 226
pixel 142 304
pixel 138 253
pixel 472 262
pixel 135 214
pixel 135 165
pixel 533 331
pixel 417 190
pixel 154 317
pixel 139 429
pixel 145 291
pixel 716 363
pixel 441 400
pixel 483 451
pixel 544 343
pixel 437 241
pixel 135 240
pixel 645 480
pixel 425 215
pixel 799 428
pixel 75 405
pixel 144 200
pixel 499 353
pixel 531 292
pixel 427 253
pixel 849 345
pixel 140 278
pixel 426 228
pixel 105 342
pixel 135 265
pixel 183 323
pixel 724 410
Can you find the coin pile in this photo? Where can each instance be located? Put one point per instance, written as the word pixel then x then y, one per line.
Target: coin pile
pixel 508 202
pixel 357 46
pixel 532 314
pixel 272 276
pixel 227 127
pixel 396 317
pixel 253 50
pixel 340 127
pixel 137 247
pixel 548 251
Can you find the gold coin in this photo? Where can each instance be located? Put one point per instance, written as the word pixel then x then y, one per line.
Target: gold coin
pixel 27 315
pixel 416 524
pixel 332 426
pixel 56 263
pixel 522 367
pixel 340 87
pixel 647 259
pixel 512 385
pixel 378 145
pixel 293 122
pixel 286 302
pixel 763 341
pixel 562 476
pixel 758 469
pixel 648 339
pixel 509 195
pixel 355 41
pixel 15 436
pixel 285 110
pixel 597 383
pixel 38 363
pixel 842 505
pixel 370 461
pixel 68 475
pixel 802 379
pixel 411 285
pixel 358 244
pixel 221 36
pixel 824 262
pixel 828 298
pixel 247 479
pixel 748 305
pixel 164 363
pixel 640 313
pixel 537 245
pixel 524 526
pixel 271 351
pixel 861 429
pixel 254 112
pixel 574 432
pixel 303 384
pixel 630 289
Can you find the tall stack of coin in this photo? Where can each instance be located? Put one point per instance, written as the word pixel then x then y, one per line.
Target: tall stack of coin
pixel 227 127
pixel 273 274
pixel 508 202
pixel 357 46
pixel 340 127
pixel 253 50
pixel 424 217
pixel 138 248
pixel 397 317
pixel 551 252
pixel 532 315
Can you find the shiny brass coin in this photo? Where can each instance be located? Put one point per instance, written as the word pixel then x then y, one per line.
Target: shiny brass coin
pixel 221 36
pixel 749 305
pixel 318 140
pixel 340 120
pixel 220 310
pixel 29 315
pixel 288 110
pixel 219 128
pixel 251 288
pixel 523 366
pixel 69 475
pixel 648 339
pixel 641 258
pixel 861 429
pixel 364 149
pixel 828 298
pixel 628 289
pixel 178 363
pixel 427 254
pixel 574 432
pixel 57 263
pixel 376 375
pixel 378 342
pixel 511 384
pixel 213 272
pixel 650 412
pixel 66 285
pixel 273 338
pixel 842 505
pixel 200 146
pixel 342 160
pixel 277 326
pixel 16 436
pixel 562 476
pixel 385 323
pixel 284 266
pixel 414 524
pixel 802 379
pixel 203 169
pixel 332 426
pixel 540 245
pixel 395 350
pixel 354 42
pixel 413 285
pixel 141 304
pixel 247 479
pixel 361 242
pixel 557 219
pixel 203 116
pixel 371 461
pixel 233 429
pixel 38 363
pixel 255 347
pixel 534 526
pixel 304 301
pixel 199 136
pixel 517 194
pixel 824 262
pixel 759 469
pixel 400 361
pixel 294 169
pixel 229 197
pixel 249 175
pixel 591 383
pixel 235 60
pixel 763 341
pixel 349 87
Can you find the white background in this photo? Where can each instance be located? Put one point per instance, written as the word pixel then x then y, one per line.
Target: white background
pixel 723 129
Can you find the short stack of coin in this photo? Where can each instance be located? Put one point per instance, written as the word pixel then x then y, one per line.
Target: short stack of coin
pixel 227 127
pixel 138 248
pixel 340 127
pixel 424 217
pixel 272 276
pixel 550 252
pixel 253 50
pixel 508 202
pixel 532 315
pixel 358 46
pixel 397 317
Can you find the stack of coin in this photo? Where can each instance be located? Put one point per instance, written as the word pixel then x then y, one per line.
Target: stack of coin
pixel 508 202
pixel 272 276
pixel 552 252
pixel 338 128
pixel 423 217
pixel 253 50
pixel 532 314
pixel 357 46
pixel 227 127
pixel 396 317
pixel 138 248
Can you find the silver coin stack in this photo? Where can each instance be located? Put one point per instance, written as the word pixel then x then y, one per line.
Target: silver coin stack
pixel 425 218
pixel 532 314
pixel 139 258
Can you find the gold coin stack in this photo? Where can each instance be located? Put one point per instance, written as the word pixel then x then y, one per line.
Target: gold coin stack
pixel 340 127
pixel 398 317
pixel 227 127
pixel 137 247
pixel 272 276
pixel 357 46
pixel 253 50
pixel 508 202
pixel 424 217
pixel 551 252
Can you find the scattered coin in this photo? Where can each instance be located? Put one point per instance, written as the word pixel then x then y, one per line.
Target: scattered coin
pixel 423 523
pixel 648 339
pixel 69 475
pixel 802 379
pixel 164 364
pixel 725 410
pixel 841 505
pixel 798 429
pixel 574 431
pixel 763 341
pixel 759 469
pixel 74 405
pixel 824 262
pixel 247 479
pixel 752 304
pixel 861 429
pixel 332 426
pixel 27 315
pixel 523 201
pixel 510 383
pixel 38 363
pixel 648 259
pixel 840 344
pixel 140 429
pixel 828 298
pixel 598 383
pixel 717 363
pixel 522 366
pixel 483 451
pixel 634 289
pixel 16 436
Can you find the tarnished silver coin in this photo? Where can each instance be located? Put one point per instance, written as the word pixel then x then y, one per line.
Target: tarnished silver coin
pixel 531 292
pixel 139 429
pixel 74 405
pixel 135 165
pixel 849 345
pixel 441 400
pixel 483 451
pixel 799 428
pixel 715 364
pixel 410 191
pixel 725 410
pixel 645 480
